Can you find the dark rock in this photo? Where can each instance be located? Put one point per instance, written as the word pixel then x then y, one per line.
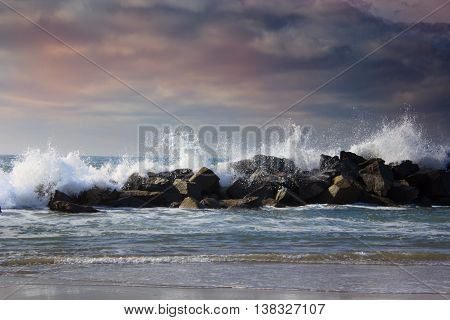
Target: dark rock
pixel 150 183
pixel 273 164
pixel 247 202
pixel 377 177
pixel 174 205
pixel 401 192
pixel 97 196
pixel 311 186
pixel 328 162
pixel 404 169
pixel 171 176
pixel 432 184
pixel 244 167
pixel 188 189
pixel 348 169
pixel 352 157
pixel 206 179
pixel 211 203
pixel 60 196
pixel 239 188
pixel 190 203
pixel 287 197
pixel 370 198
pixel 68 207
pixel 343 191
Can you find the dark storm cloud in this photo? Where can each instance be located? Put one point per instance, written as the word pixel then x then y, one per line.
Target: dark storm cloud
pixel 214 59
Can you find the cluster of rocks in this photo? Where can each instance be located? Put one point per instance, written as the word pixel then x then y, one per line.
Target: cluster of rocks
pixel 272 181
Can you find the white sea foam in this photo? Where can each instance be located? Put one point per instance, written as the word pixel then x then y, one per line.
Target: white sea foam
pixel 37 173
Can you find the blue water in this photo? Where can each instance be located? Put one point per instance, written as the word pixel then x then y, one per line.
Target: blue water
pixel 316 234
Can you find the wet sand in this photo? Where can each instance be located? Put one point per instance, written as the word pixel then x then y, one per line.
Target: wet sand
pixel 225 281
pixel 78 290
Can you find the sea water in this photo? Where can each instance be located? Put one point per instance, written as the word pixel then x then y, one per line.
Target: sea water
pixel 315 247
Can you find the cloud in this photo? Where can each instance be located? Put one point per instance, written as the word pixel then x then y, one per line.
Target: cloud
pixel 211 60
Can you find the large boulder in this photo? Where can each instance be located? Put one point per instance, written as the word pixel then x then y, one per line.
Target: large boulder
pixel 433 184
pixel 60 196
pixel 188 189
pixel 328 162
pixel 151 182
pixel 139 199
pixel 287 197
pixel 377 177
pixel 352 157
pixel 97 196
pixel 244 167
pixel 190 203
pixel 343 191
pixel 273 164
pixel 183 174
pixel 401 192
pixel 69 207
pixel 404 169
pixel 246 202
pixel 211 203
pixel 206 179
pixel 311 186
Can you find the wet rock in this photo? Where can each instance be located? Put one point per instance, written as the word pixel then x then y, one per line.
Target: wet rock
pixel 244 167
pixel 374 199
pixel 138 199
pixel 150 183
pixel 171 176
pixel 404 169
pixel 206 179
pixel 247 202
pixel 377 177
pixel 211 203
pixel 68 207
pixel 190 203
pixel 342 191
pixel 328 162
pixel 432 184
pixel 188 189
pixel 401 192
pixel 287 197
pixel 60 196
pixel 97 196
pixel 352 157
pixel 311 186
pixel 273 164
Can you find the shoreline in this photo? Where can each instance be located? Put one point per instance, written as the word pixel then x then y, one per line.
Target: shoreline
pixel 79 290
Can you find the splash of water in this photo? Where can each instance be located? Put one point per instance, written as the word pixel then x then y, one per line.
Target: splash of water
pixel 36 174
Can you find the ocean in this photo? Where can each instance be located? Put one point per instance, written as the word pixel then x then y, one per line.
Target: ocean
pixel 353 248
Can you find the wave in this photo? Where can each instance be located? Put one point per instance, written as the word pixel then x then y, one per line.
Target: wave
pixel 377 258
pixel 28 180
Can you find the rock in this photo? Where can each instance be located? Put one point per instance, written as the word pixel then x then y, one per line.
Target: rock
pixel 328 162
pixel 174 205
pixel 343 191
pixel 206 179
pixel 190 203
pixel 311 186
pixel 270 202
pixel 211 203
pixel 171 176
pixel 139 199
pixel 150 183
pixel 244 167
pixel 188 189
pixel 247 202
pixel 68 207
pixel 97 196
pixel 239 188
pixel 348 169
pixel 285 196
pixel 273 164
pixel 352 157
pixel 404 169
pixel 370 198
pixel 60 196
pixel 377 177
pixel 401 192
pixel 432 184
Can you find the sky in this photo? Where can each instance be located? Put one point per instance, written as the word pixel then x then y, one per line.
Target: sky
pixel 214 62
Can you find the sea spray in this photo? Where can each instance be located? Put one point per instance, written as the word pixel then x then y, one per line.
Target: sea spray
pixel 29 180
